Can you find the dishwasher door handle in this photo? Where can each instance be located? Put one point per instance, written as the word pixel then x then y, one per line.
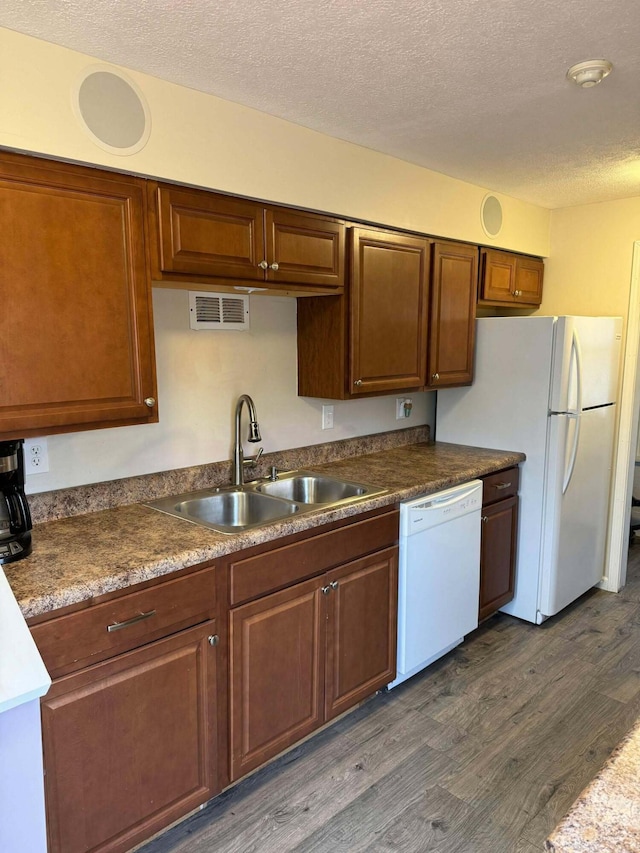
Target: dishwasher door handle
pixel 439 503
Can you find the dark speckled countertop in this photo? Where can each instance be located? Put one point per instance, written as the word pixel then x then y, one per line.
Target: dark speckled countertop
pixel 75 559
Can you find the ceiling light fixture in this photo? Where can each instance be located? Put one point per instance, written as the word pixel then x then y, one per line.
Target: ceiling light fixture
pixel 589 73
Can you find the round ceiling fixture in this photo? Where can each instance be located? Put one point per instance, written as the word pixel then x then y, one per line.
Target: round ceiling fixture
pixel 589 73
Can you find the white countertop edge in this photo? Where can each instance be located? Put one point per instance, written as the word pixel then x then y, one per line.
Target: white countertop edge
pixel 23 675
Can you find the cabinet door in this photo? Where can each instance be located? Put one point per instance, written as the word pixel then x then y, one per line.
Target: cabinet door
pixel 276 674
pixel 361 630
pixel 389 305
pixel 78 345
pixel 130 745
pixel 497 276
pixel 453 312
pixel 529 275
pixel 304 249
pixel 206 234
pixel 498 555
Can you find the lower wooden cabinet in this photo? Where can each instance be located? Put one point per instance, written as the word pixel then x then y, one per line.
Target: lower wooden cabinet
pixel 498 541
pixel 130 744
pixel 162 695
pixel 301 656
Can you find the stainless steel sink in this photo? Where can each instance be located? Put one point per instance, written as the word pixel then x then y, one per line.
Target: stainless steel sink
pixel 238 508
pixel 226 511
pixel 312 489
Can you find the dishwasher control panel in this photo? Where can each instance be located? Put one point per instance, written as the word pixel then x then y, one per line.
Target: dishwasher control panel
pixel 429 511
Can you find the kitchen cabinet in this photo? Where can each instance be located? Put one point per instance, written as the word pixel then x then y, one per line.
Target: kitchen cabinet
pixel 303 654
pixel 373 340
pixel 131 743
pixel 509 279
pixel 80 351
pixel 454 275
pixel 498 542
pixel 204 238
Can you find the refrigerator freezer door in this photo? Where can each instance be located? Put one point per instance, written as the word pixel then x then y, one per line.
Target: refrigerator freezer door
pixel 593 344
pixel 575 523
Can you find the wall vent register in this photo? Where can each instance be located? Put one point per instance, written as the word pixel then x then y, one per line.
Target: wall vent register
pixel 218 311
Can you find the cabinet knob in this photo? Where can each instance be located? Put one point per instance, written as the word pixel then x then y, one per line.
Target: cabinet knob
pixel 485 518
pixel 435 377
pixel 275 267
pixel 326 590
pixel 517 293
pixel 213 640
pixel 263 265
pixel 334 584
pixel 150 402
pixel 358 382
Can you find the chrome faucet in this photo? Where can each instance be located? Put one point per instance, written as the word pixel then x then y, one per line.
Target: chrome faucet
pixel 239 462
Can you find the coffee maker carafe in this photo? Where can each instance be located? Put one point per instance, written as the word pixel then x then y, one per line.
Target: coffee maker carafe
pixel 15 518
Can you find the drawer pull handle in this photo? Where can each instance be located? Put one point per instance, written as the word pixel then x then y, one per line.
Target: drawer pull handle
pixel 118 625
pixel 501 486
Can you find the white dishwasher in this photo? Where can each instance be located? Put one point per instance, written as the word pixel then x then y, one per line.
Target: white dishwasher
pixel 439 577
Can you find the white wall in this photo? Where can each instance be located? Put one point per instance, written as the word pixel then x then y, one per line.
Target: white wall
pixel 200 376
pixel 206 141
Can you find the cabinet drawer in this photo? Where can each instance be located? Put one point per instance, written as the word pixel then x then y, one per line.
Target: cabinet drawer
pixel 103 630
pixel 280 567
pixel 501 485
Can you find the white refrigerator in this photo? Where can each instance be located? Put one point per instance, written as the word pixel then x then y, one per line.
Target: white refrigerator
pixel 546 386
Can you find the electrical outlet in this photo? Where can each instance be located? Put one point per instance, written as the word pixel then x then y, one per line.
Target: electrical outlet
pixel 36 456
pixel 327 417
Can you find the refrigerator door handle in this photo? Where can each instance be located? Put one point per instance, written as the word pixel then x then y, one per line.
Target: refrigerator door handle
pixel 576 353
pixel 574 451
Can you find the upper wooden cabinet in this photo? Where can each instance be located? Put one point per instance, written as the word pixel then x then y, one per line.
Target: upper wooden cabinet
pixel 454 275
pixel 374 340
pixel 78 350
pixel 509 279
pixel 202 238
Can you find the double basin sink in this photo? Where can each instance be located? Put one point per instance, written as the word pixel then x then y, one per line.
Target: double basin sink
pixel 233 509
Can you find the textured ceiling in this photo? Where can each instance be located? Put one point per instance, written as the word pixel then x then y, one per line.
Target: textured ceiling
pixel 472 88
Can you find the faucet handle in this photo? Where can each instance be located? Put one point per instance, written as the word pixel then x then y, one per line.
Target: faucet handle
pixel 252 461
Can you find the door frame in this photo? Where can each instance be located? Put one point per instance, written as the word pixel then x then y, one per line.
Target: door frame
pixel 628 418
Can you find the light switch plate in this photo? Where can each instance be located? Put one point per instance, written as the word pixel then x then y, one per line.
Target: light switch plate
pixel 327 417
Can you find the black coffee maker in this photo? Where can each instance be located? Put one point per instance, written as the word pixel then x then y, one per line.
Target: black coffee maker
pixel 15 518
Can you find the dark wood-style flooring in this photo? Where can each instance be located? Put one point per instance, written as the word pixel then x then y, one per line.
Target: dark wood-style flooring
pixel 484 751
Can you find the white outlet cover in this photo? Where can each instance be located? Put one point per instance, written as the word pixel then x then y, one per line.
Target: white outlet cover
pixel 36 456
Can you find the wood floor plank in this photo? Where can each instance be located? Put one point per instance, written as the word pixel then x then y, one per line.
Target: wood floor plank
pixel 432 820
pixel 620 678
pixel 355 828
